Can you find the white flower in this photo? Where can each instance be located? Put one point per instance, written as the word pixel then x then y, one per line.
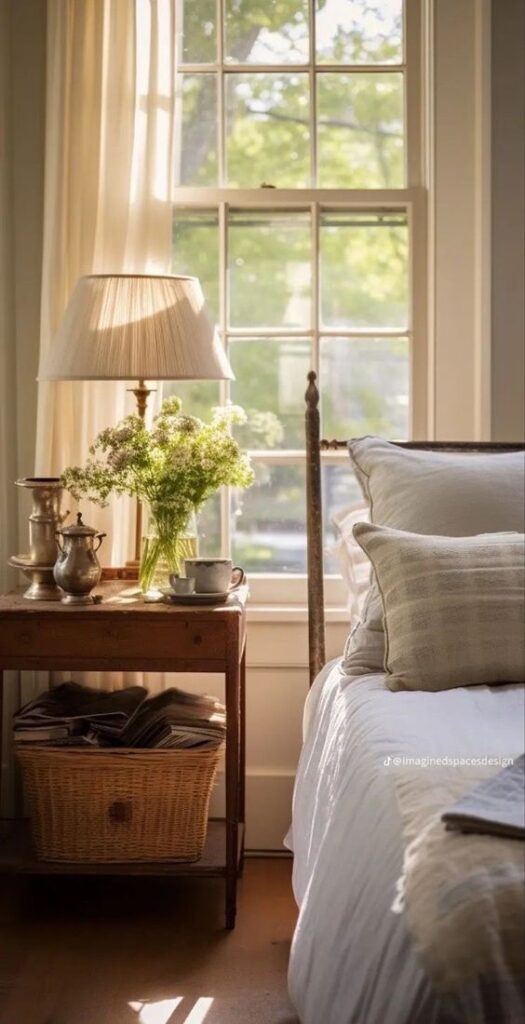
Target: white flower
pixel 186 424
pixel 179 460
pixel 120 459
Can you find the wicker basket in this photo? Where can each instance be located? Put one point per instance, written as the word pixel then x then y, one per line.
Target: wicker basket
pixel 118 804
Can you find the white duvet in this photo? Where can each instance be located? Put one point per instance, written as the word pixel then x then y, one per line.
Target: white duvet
pixel 358 804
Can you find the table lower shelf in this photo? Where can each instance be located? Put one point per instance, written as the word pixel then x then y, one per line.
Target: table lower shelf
pixel 17 855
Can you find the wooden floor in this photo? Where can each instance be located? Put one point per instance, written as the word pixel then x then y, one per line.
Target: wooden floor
pixel 145 951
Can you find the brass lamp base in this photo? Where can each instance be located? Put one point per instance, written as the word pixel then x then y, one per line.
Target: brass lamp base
pixel 142 394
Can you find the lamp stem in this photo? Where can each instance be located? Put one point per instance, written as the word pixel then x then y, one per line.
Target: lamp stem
pixel 142 394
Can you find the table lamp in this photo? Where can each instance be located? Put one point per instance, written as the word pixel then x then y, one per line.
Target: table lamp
pixel 136 327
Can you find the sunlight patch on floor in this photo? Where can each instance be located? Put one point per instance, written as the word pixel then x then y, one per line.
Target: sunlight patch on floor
pixel 155 1013
pixel 200 1011
pixel 161 1012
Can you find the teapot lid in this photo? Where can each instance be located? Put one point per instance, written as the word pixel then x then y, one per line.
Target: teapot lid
pixel 78 529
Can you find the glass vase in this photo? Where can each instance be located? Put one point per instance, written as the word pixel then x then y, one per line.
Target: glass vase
pixel 163 552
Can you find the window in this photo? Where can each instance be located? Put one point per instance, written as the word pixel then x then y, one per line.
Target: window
pixel 299 206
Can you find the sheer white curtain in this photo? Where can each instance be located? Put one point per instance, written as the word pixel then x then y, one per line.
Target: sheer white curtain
pixel 110 122
pixel 107 207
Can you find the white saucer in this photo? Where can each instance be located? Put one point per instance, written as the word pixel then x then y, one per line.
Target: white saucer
pixel 170 597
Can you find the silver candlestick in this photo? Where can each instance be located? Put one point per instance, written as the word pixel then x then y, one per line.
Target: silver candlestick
pixel 44 520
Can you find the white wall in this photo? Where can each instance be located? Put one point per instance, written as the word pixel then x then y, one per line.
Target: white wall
pixel 22 100
pixel 23 71
pixel 459 181
pixel 8 526
pixel 508 219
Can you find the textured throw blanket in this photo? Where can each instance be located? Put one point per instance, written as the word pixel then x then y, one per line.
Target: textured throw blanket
pixel 463 897
pixel 495 807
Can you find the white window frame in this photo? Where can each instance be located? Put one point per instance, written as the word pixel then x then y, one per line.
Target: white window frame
pixel 283 589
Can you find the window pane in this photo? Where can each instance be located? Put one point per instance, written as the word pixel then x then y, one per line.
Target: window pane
pixel 269 269
pixel 198 397
pixel 360 130
pixel 340 491
pixel 196 117
pixel 197 32
pixel 196 251
pixel 268 521
pixel 359 31
pixel 364 269
pixel 267 130
pixel 262 32
pixel 209 528
pixel 365 387
pixel 270 375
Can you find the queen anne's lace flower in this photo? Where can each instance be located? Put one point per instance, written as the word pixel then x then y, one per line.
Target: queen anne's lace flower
pixel 187 424
pixel 174 467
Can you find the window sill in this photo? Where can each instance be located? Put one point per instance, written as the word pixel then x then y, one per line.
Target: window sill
pixel 280 591
pixel 292 613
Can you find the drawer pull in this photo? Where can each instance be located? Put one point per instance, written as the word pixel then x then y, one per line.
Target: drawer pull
pixel 121 811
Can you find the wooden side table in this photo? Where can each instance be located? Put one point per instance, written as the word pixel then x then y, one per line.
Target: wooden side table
pixel 123 633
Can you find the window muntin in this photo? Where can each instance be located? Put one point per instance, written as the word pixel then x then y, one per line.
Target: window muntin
pixel 316 104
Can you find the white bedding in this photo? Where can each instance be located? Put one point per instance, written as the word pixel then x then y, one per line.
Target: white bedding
pixel 353 959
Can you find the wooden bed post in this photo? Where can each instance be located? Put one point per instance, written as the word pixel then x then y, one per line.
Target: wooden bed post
pixel 314 530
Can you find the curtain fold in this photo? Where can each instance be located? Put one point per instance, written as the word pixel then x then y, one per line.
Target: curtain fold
pixel 110 121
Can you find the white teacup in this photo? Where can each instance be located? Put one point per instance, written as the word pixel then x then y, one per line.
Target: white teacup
pixel 213 575
pixel 182 584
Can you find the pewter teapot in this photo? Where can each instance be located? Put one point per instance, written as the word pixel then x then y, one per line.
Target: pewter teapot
pixel 77 569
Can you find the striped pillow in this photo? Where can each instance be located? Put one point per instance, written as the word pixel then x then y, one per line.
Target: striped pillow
pixel 453 607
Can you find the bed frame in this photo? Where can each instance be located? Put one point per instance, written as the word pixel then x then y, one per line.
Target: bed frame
pixel 314 512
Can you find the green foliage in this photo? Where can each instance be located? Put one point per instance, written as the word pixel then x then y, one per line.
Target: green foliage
pixel 174 467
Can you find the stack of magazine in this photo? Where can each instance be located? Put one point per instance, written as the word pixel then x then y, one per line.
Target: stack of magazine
pixel 76 715
pixel 175 718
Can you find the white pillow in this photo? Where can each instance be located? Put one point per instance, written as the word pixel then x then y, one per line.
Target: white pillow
pixel 354 565
pixel 453 494
pixel 453 607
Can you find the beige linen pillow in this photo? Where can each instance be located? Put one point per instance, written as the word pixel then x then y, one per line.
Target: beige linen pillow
pixel 453 607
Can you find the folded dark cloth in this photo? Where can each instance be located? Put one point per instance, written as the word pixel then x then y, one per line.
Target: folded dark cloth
pixel 495 807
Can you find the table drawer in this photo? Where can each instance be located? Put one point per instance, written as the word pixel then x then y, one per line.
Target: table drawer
pixel 89 638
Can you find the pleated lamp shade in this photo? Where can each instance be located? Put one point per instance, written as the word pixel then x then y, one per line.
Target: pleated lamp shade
pixel 136 327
